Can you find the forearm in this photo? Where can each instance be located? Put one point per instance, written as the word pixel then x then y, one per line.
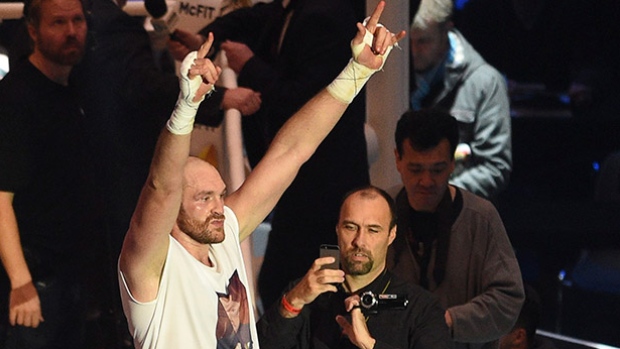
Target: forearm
pixel 491 167
pixel 485 179
pixel 24 304
pixel 173 146
pixel 293 145
pixel 303 133
pixel 11 252
pixel 483 320
pixel 324 110
pixel 493 311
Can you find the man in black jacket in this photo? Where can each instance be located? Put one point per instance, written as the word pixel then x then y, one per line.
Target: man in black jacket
pixel 323 309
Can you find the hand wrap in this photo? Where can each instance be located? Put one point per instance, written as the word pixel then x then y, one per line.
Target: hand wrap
pixel 181 121
pixel 353 77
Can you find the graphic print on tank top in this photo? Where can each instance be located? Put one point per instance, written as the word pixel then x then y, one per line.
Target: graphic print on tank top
pixel 233 324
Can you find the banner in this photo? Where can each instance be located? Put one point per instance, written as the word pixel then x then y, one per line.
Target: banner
pixel 193 15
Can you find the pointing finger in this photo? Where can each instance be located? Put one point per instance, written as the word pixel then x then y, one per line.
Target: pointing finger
pixel 205 47
pixel 374 18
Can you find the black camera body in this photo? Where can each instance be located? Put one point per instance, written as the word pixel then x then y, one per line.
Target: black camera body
pixel 372 303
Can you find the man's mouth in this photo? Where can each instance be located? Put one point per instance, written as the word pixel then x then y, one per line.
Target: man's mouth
pixel 217 222
pixel 359 256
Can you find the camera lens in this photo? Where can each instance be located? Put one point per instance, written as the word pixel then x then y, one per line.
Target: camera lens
pixel 368 300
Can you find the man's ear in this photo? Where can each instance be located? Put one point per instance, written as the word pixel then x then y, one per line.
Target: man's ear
pixel 32 32
pixel 392 235
pixel 396 159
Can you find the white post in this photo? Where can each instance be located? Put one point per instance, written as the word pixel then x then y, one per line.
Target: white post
pixel 387 95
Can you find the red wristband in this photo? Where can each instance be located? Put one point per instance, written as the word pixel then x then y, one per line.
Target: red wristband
pixel 288 307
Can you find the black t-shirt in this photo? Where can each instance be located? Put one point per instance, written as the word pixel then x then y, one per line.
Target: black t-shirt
pixel 420 326
pixel 42 162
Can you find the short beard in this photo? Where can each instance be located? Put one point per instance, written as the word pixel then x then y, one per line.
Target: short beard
pixel 199 230
pixel 357 268
pixel 61 57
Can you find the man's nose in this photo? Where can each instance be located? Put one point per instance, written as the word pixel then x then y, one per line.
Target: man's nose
pixel 71 28
pixel 359 239
pixel 426 179
pixel 219 206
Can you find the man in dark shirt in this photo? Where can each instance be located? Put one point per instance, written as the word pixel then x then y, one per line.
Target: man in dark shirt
pixel 323 309
pixel 43 213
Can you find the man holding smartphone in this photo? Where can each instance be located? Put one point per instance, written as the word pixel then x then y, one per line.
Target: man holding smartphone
pixel 323 308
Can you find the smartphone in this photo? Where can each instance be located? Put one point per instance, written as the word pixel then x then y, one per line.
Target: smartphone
pixel 333 251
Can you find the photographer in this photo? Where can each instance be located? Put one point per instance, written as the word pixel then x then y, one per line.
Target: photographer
pixel 331 308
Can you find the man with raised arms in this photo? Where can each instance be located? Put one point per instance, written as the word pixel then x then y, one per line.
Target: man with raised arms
pixel 183 283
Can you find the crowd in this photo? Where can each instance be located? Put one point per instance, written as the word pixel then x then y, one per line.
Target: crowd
pixel 105 215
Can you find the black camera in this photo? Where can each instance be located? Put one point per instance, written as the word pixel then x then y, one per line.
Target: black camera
pixel 371 303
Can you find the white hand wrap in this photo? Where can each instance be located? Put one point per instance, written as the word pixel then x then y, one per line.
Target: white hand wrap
pixel 181 121
pixel 353 77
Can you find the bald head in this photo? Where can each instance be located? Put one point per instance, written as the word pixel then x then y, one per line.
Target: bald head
pixel 371 192
pixel 200 171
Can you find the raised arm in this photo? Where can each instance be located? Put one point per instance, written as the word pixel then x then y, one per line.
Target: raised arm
pixel 301 134
pixel 146 243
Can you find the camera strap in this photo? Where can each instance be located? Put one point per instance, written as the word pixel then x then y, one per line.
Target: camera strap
pixel 387 284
